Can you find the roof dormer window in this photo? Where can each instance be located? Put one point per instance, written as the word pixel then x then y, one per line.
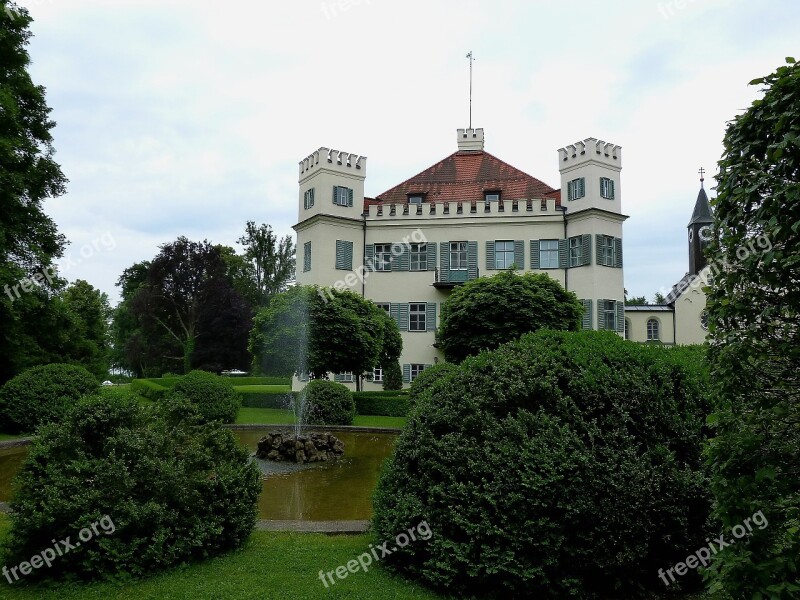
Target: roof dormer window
pixel 493 196
pixel 415 199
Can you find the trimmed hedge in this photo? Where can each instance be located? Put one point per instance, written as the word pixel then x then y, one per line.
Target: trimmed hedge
pixel 267 399
pixel 385 404
pixel 149 389
pixel 214 396
pixel 561 465
pixel 328 403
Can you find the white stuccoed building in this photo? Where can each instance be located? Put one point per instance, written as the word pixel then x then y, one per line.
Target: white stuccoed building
pixel 469 215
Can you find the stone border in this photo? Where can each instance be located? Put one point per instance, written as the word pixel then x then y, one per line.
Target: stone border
pixel 328 527
pixel 342 428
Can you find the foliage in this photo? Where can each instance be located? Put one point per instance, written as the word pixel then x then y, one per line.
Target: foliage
pixel 271 261
pixel 173 489
pixel 212 395
pixel 559 465
pixel 149 389
pixel 636 301
pixel 393 376
pixel 754 311
pixel 321 331
pixel 489 311
pixel 268 399
pixel 381 403
pixel 427 379
pixel 42 394
pixel 328 403
pixel 658 298
pixel 89 329
pixel 29 239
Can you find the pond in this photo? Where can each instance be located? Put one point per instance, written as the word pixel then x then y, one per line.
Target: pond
pixel 340 491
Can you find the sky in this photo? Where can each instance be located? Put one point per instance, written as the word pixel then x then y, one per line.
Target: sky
pixel 190 117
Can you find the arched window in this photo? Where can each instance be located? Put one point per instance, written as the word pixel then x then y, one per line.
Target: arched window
pixel 627 329
pixel 652 330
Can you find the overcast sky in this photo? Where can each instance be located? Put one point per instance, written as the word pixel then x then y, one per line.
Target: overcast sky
pixel 189 118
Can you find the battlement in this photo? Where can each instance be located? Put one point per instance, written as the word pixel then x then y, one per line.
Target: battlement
pixel 590 149
pixel 338 160
pixel 525 208
pixel 470 139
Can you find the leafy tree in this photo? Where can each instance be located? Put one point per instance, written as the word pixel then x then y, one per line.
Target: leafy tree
pixel 636 301
pixel 489 311
pixel 272 260
pixel 29 240
pixel 90 334
pixel 658 298
pixel 321 331
pixel 129 348
pixel 754 317
pixel 241 274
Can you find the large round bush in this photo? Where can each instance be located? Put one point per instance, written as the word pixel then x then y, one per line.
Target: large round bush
pixel 328 403
pixel 560 465
pixel 161 488
pixel 214 396
pixel 42 395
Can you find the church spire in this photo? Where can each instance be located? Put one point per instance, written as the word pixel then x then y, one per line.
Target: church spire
pixel 702 208
pixel 699 230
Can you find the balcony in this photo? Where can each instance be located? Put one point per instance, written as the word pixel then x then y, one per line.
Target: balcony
pixel 450 278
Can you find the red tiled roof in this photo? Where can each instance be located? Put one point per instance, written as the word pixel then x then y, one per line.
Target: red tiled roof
pixel 465 175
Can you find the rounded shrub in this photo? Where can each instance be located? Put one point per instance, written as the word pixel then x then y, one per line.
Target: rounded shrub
pixel 43 394
pixel 426 380
pixel 152 485
pixel 328 403
pixel 214 396
pixel 564 464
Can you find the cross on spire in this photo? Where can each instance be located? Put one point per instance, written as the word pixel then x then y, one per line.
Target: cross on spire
pixel 702 172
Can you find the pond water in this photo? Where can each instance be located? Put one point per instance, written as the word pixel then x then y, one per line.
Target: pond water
pixel 319 492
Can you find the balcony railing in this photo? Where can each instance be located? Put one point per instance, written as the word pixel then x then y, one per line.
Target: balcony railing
pixel 452 277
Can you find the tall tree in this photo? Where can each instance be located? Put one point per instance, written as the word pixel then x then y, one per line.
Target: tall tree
pixel 487 312
pixel 29 240
pixel 90 313
pixel 754 322
pixel 273 260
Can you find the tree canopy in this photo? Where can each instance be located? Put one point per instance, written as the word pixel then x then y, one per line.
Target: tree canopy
pixel 271 261
pixel 489 311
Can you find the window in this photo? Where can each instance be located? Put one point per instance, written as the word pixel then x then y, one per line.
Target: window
pixel 342 196
pixel 607 188
pixel 652 330
pixel 503 255
pixel 609 315
pixel 575 252
pixel 605 248
pixel 548 254
pixel 377 374
pixel 415 199
pixel 458 256
pixel 385 306
pixel 308 198
pixel 627 329
pixel 416 316
pixel 419 257
pixel 307 256
pixel 704 319
pixel 416 369
pixel 576 188
pixel 383 257
pixel 346 377
pixel 491 196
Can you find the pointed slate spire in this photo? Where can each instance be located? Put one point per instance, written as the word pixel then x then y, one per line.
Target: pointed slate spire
pixel 702 208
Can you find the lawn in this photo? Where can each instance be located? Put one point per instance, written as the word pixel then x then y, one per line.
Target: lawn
pixel 270 565
pixel 263 388
pixel 9 436
pixel 281 416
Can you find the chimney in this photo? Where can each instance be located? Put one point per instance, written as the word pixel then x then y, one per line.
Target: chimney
pixel 470 139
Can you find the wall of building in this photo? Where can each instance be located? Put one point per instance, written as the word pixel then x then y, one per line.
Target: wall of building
pixel 637 325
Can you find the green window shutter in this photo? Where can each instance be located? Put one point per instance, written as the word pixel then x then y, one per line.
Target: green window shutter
pixel 402 316
pixel 444 261
pixel 534 254
pixel 307 256
pixel 620 316
pixel 340 254
pixel 400 260
pixel 519 254
pixel 586 242
pixel 406 373
pixel 348 255
pixel 611 189
pixel 335 189
pixel 369 257
pixel 563 254
pixel 490 255
pixel 587 314
pixel 598 249
pixel 618 252
pixel 472 260
pixel 394 312
pixel 581 187
pixel 570 190
pixel 350 197
pixel 431 247
pixel 601 314
pixel 430 316
pixel 337 377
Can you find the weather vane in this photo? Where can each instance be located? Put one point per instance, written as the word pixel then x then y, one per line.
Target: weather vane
pixel 471 59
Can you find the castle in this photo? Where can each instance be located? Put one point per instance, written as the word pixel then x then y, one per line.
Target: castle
pixel 472 215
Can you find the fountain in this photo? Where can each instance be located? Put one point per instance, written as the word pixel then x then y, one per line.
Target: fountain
pixel 301 449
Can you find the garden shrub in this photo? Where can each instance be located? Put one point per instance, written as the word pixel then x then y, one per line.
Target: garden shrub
pixel 386 404
pixel 41 395
pixel 425 380
pixel 328 403
pixel 166 488
pixel 149 389
pixel 214 396
pixel 563 464
pixel 393 376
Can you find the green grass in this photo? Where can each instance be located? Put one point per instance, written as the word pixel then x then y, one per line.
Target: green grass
pixel 280 416
pixel 269 566
pixel 263 388
pixel 9 436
